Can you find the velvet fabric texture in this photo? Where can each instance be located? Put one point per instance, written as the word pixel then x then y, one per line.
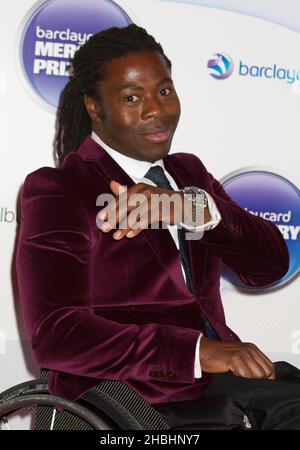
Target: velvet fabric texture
pixel 98 309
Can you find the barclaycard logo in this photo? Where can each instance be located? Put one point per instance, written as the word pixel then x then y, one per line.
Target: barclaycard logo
pixel 274 72
pixel 275 198
pixel 220 66
pixel 53 31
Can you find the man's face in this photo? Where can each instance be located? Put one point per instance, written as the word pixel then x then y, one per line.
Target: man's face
pixel 140 105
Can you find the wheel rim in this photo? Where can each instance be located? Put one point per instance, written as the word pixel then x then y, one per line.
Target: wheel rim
pixel 48 412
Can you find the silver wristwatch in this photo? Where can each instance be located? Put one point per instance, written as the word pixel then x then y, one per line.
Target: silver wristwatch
pixel 199 202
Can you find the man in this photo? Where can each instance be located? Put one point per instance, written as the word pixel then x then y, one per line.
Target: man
pixel 137 304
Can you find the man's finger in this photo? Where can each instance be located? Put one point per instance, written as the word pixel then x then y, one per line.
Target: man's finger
pixel 127 229
pixel 263 360
pixel 241 369
pixel 117 188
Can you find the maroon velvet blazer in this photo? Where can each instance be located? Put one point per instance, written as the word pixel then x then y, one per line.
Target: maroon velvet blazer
pixel 98 309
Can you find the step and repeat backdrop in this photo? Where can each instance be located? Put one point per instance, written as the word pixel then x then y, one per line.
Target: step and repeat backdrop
pixel 237 72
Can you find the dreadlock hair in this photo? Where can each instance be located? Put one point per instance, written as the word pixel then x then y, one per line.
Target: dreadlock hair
pixel 88 68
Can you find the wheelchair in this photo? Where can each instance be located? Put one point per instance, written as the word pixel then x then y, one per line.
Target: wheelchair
pixel 112 405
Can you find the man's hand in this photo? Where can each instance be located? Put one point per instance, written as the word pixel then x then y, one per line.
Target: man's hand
pixel 131 223
pixel 242 359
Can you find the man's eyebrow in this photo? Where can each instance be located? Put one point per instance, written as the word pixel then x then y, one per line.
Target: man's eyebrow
pixel 130 86
pixel 165 80
pixel 140 88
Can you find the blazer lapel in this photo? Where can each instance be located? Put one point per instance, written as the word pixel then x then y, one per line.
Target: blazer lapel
pixel 109 168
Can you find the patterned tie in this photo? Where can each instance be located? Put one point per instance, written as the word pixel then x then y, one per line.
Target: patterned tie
pixel 157 175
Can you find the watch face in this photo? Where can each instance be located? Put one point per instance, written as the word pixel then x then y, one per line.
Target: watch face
pixel 193 190
pixel 198 195
pixel 196 190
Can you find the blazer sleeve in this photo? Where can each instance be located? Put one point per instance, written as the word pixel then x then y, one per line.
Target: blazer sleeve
pixel 251 246
pixel 54 267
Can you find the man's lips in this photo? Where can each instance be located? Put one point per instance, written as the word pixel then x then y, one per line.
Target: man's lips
pixel 157 135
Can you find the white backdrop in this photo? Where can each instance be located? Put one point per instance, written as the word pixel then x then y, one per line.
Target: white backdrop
pixel 230 124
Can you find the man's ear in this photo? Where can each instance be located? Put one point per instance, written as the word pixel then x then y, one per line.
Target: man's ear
pixel 93 108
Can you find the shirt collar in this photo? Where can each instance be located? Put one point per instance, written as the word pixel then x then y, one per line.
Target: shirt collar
pixel 133 167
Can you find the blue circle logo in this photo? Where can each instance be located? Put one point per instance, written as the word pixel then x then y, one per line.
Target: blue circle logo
pixel 274 198
pixel 220 66
pixel 53 33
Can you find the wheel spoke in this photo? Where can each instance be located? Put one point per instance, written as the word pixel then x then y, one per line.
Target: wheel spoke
pixel 53 418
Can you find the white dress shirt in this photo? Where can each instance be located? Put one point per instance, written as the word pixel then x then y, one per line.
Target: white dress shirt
pixel 137 170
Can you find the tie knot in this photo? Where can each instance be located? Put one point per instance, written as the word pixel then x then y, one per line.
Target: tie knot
pixel 157 175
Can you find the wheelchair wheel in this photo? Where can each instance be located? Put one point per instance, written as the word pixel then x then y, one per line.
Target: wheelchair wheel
pixel 29 406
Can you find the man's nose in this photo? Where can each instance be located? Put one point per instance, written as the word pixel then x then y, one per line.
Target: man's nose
pixel 152 107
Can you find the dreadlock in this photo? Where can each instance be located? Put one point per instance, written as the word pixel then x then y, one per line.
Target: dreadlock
pixel 89 67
